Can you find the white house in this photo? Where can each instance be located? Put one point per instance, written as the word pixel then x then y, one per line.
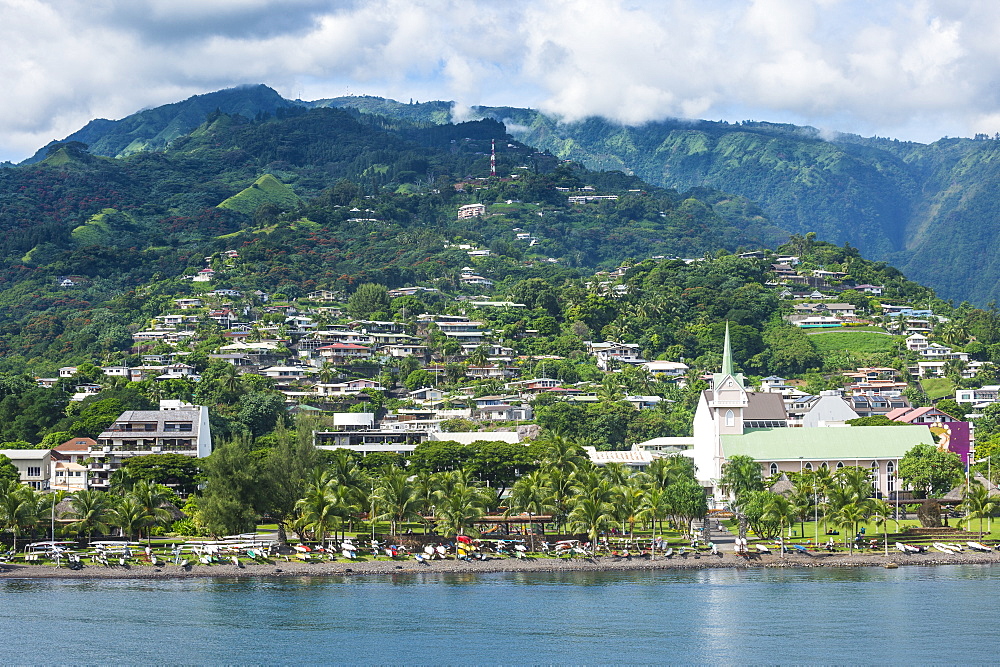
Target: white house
pixel 176 428
pixel 34 465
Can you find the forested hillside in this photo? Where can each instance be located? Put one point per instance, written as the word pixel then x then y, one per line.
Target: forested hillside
pixel 313 199
pixel 930 209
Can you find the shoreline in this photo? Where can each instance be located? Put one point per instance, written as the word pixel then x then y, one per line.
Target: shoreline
pixel 280 569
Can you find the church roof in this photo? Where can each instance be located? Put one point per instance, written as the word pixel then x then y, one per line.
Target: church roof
pixel 849 444
pixel 760 406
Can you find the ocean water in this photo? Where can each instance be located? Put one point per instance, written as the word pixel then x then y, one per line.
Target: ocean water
pixel 913 615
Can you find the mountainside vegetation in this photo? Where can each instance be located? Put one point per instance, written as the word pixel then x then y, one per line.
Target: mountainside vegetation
pixel 313 199
pixel 930 209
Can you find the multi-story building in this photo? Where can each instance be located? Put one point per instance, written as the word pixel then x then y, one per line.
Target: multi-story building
pixel 176 428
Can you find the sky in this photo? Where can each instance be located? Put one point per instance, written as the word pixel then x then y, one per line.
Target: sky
pixel 916 70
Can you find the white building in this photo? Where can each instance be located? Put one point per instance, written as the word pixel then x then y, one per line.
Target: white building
pixel 176 428
pixel 34 465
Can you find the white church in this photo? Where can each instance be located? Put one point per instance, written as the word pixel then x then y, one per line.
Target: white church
pixel 730 421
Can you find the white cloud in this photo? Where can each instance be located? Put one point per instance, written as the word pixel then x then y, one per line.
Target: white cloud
pixel 898 68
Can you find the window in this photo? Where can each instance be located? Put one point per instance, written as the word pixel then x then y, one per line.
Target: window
pixel 840 465
pixel 809 466
pixel 730 418
pixel 34 471
pixel 890 477
pixel 774 468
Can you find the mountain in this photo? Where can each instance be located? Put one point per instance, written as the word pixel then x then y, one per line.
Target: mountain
pixel 932 209
pixel 154 129
pixel 314 199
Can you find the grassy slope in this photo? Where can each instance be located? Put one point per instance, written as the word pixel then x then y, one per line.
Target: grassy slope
pixel 861 342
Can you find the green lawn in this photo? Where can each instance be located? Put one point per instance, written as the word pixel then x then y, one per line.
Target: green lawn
pixel 936 388
pixel 860 342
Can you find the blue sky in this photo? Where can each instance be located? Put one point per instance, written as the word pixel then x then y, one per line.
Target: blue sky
pixel 917 70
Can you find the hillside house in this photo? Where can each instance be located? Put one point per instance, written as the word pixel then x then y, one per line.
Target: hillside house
pixel 176 428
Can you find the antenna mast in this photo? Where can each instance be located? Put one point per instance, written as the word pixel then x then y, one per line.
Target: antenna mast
pixel 493 157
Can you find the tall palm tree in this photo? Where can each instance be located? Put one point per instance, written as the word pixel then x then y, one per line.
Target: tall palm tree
pixel 849 516
pixel 130 516
pixel 18 507
pixel 396 498
pixel 561 453
pixel 592 517
pixel 89 508
pixel 978 504
pixel 460 509
pixel 627 505
pixel 654 506
pixel 740 477
pixel 323 506
pixel 531 494
pixel 428 490
pixel 780 510
pixel 152 498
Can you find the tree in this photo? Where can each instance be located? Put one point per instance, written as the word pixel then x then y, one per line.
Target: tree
pixel 323 506
pixel 754 510
pixel 459 509
pixel 929 471
pixel 152 498
pixel 232 484
pixel 90 508
pixel 284 472
pixel 499 463
pixel 592 517
pixel 978 504
pixel 367 299
pixel 8 471
pixel 849 516
pixel 396 499
pixel 176 471
pixel 439 456
pixel 740 476
pixel 18 507
pixel 130 516
pixel 686 501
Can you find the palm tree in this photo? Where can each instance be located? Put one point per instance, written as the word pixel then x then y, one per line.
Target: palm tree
pixel 396 498
pixel 89 508
pixel 460 509
pixel 802 500
pixel 654 506
pixel 740 476
pixel 667 470
pixel 479 356
pixel 627 506
pixel 592 517
pixel 978 504
pixel 848 516
pixel 778 509
pixel 561 453
pixel 18 507
pixel 530 494
pixel 881 512
pixel 428 491
pixel 152 498
pixel 323 506
pixel 130 516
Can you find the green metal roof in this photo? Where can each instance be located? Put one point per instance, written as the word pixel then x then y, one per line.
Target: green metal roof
pixel 826 443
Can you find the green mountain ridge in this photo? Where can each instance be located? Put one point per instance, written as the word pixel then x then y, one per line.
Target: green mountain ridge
pixel 315 199
pixel 931 209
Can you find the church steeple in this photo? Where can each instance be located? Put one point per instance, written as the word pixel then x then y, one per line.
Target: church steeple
pixel 727 355
pixel 728 367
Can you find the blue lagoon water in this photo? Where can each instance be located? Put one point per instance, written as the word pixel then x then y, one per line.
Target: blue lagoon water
pixel 864 615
